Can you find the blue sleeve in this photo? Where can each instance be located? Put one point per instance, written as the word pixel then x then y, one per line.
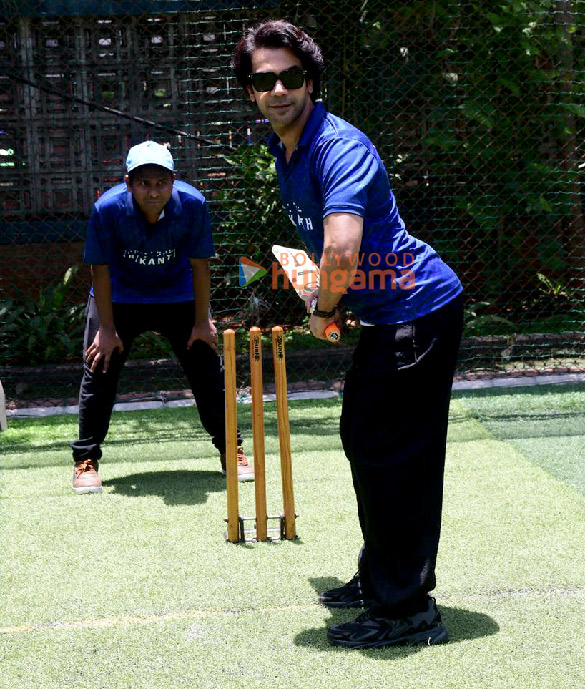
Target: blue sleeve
pixel 98 243
pixel 345 168
pixel 201 241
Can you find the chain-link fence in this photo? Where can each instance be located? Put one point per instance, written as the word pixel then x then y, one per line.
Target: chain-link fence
pixel 476 108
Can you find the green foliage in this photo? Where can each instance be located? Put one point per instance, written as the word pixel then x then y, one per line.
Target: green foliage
pixel 552 288
pixel 43 329
pixel 478 321
pixel 554 304
pixel 511 146
pixel 254 193
pixel 254 220
pixel 508 76
pixel 151 345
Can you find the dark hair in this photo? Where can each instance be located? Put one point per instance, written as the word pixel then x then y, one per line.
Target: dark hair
pixel 278 33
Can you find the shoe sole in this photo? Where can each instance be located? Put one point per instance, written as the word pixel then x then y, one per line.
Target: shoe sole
pixel 87 489
pixel 241 479
pixel 430 637
pixel 359 603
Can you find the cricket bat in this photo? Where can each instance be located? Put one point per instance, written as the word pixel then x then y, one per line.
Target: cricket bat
pixel 304 277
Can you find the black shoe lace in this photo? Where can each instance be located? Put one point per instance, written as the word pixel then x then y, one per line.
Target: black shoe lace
pixel 363 617
pixel 354 582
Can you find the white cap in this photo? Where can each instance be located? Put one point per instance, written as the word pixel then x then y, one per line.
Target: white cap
pixel 149 153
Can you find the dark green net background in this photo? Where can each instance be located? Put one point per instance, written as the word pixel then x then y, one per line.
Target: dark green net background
pixel 477 109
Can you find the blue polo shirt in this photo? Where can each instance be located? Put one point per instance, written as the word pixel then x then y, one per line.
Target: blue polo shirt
pixel 149 263
pixel 336 169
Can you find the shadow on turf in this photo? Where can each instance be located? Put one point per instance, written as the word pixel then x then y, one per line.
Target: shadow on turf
pixel 463 625
pixel 174 487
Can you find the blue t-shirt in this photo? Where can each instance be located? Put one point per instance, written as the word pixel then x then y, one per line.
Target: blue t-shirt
pixel 149 263
pixel 336 169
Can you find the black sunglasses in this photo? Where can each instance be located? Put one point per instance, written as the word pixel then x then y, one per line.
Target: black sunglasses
pixel 291 78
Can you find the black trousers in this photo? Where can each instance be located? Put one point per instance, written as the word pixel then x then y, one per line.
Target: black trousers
pixel 394 432
pixel 202 366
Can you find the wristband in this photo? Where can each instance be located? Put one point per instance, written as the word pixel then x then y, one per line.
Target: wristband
pixel 323 314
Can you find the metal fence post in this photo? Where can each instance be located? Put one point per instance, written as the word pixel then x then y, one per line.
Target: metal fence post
pixel 3 424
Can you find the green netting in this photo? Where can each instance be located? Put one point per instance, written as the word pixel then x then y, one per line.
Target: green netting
pixel 476 108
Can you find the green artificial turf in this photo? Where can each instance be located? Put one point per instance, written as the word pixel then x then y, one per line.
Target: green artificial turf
pixel 545 423
pixel 136 587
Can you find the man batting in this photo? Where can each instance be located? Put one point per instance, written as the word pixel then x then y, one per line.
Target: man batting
pixel 397 391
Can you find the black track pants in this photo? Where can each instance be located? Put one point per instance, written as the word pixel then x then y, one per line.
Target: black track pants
pixel 394 431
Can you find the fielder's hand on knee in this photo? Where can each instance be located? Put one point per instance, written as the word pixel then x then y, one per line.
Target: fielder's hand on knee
pixel 205 331
pixel 102 348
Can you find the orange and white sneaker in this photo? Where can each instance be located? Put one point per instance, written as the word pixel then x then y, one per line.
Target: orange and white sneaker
pixel 245 471
pixel 86 478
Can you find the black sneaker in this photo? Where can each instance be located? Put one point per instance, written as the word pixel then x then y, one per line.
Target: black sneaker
pixel 349 595
pixel 368 631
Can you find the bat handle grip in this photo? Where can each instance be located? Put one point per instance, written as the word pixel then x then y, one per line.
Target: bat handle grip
pixel 332 332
